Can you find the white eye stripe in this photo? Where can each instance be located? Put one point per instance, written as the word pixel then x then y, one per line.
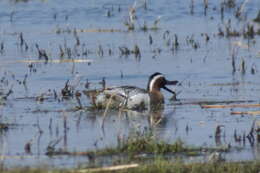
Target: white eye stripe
pixel 151 84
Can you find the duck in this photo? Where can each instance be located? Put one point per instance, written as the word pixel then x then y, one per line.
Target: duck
pixel 132 97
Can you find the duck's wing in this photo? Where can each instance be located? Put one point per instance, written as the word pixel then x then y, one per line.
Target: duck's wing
pixel 115 91
pixel 136 98
pixel 132 90
pixel 115 97
pixel 124 91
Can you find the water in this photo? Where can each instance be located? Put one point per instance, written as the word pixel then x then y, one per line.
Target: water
pixel 205 72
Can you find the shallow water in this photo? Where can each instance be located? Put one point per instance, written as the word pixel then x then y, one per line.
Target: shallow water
pixel 206 75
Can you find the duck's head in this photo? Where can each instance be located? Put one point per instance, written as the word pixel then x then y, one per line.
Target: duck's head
pixel 158 81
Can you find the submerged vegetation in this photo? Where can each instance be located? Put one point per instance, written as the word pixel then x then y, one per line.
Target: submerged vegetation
pixel 146 144
pixel 158 166
pixel 162 166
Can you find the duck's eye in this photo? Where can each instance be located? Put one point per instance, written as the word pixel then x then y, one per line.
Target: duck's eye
pixel 164 82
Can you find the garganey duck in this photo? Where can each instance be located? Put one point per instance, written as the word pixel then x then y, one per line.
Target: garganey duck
pixel 134 98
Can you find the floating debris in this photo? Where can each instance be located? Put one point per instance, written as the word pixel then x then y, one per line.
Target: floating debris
pixel 231 106
pixel 243 67
pixel 67 90
pixel 42 53
pixel 245 112
pixel 3 127
pixel 59 30
pixel 111 168
pixel 51 61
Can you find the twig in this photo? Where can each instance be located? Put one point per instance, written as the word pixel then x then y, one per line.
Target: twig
pixel 180 83
pixel 106 110
pixel 231 106
pixel 250 135
pixel 246 112
pixel 241 8
pixel 3 149
pixel 109 168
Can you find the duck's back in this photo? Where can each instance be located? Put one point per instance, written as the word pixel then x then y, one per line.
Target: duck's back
pixel 129 97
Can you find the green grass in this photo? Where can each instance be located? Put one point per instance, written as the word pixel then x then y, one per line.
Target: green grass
pixel 144 143
pixel 161 166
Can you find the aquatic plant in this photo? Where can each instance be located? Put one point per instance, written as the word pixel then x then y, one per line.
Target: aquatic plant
pixel 141 142
pixel 257 19
pixel 163 166
pixel 157 166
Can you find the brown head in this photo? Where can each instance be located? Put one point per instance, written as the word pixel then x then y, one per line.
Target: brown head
pixel 155 83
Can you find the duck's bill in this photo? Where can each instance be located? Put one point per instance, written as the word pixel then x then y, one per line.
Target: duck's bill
pixel 169 90
pixel 174 82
